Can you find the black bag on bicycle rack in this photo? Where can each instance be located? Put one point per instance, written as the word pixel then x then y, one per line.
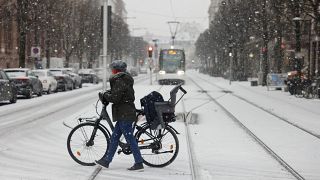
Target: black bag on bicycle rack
pixel 148 106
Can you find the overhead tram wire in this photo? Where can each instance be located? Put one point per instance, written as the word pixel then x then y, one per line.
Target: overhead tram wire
pixel 149 13
pixel 172 11
pixel 163 15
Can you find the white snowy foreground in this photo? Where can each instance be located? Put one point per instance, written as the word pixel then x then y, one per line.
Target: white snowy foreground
pixel 33 137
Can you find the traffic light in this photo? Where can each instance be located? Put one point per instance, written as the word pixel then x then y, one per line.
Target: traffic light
pixel 150 49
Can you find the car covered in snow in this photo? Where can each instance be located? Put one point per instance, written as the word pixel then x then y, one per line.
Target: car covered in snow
pixel 26 81
pixel 88 76
pixel 64 80
pixel 49 83
pixel 8 90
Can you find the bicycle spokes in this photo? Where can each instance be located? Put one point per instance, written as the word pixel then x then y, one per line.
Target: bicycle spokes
pixel 86 149
pixel 158 147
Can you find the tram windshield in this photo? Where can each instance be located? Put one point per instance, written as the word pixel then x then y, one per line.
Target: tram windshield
pixel 172 60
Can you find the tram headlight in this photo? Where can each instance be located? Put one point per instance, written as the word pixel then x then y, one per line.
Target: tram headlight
pixel 162 72
pixel 180 72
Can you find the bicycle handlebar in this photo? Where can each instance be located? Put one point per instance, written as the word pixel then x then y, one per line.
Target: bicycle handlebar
pixel 101 98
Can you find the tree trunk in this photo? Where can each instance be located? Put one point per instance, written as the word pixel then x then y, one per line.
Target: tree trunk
pixel 48 49
pixel 22 25
pixel 265 63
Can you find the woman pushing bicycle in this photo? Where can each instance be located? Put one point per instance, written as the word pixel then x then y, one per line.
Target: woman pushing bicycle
pixel 122 96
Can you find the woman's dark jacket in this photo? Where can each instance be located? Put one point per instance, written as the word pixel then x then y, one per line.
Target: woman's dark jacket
pixel 122 97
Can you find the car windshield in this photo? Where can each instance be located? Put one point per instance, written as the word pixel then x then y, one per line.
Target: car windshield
pixel 56 72
pixel 39 73
pixel 86 71
pixel 14 73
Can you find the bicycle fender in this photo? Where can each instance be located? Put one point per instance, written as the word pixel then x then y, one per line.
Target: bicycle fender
pixel 173 129
pixel 106 129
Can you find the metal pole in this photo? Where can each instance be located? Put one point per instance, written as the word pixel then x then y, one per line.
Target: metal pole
pixel 309 50
pixel 150 68
pixel 156 57
pixel 230 78
pixel 105 43
pixel 297 19
pixel 317 56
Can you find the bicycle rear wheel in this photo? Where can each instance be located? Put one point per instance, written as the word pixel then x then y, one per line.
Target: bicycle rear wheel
pixel 83 152
pixel 158 148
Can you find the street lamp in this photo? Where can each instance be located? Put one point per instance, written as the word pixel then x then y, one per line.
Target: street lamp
pixel 298 54
pixel 297 58
pixel 317 60
pixel 230 75
pixel 251 56
pixel 105 42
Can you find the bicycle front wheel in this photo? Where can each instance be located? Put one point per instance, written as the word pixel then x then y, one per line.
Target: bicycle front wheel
pixel 158 148
pixel 83 152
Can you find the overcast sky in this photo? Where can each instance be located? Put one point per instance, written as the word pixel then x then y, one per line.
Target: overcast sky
pixel 152 15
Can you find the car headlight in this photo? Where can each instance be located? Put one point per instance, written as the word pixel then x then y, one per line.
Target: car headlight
pixel 180 72
pixel 162 72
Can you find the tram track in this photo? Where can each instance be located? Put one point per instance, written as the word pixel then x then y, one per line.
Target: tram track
pixel 267 148
pixel 192 158
pixel 20 121
pixel 57 98
pixel 265 110
pixel 97 170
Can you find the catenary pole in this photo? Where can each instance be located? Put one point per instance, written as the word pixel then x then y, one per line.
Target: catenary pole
pixel 105 42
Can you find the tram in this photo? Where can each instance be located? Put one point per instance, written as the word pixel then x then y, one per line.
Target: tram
pixel 172 65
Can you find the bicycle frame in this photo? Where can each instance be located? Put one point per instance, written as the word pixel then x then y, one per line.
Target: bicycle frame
pixel 96 139
pixel 105 116
pixel 124 146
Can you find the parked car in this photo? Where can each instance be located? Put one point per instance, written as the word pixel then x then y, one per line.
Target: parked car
pixel 26 81
pixel 99 73
pixel 8 90
pixel 49 83
pixel 134 71
pixel 88 76
pixel 64 80
pixel 77 80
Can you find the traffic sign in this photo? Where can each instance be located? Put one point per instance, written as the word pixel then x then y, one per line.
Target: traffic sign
pixel 35 52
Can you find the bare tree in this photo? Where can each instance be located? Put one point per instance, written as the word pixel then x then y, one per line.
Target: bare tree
pixel 22 17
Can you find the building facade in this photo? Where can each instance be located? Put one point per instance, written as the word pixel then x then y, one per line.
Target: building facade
pixel 8 35
pixel 213 8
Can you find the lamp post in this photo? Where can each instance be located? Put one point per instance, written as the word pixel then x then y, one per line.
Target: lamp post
pixel 105 42
pixel 298 56
pixel 316 71
pixel 251 56
pixel 298 42
pixel 309 47
pixel 230 64
pixel 297 19
pixel 155 41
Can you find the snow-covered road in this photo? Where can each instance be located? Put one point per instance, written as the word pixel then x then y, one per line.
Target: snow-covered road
pixel 33 138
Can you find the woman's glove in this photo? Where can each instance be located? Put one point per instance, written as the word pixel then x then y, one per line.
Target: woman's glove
pixel 101 97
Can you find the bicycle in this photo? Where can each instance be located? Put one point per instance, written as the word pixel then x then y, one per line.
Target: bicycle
pixel 89 140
